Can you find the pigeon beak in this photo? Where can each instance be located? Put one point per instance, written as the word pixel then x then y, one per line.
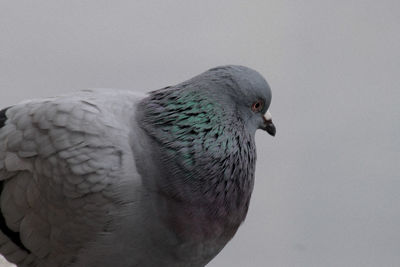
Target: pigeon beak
pixel 268 125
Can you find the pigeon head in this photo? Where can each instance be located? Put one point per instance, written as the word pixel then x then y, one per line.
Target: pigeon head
pixel 239 91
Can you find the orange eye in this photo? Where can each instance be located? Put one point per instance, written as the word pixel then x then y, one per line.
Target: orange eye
pixel 257 106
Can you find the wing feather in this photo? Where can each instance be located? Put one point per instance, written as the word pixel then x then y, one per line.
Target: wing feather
pixel 59 159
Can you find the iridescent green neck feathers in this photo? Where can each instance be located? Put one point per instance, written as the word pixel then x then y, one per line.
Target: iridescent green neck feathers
pixel 208 152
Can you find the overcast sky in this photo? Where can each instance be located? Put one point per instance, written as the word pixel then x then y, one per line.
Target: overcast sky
pixel 327 189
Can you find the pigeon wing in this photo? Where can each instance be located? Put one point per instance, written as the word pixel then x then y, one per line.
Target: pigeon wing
pixel 61 161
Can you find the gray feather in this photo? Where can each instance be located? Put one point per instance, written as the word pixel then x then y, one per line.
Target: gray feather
pixel 113 178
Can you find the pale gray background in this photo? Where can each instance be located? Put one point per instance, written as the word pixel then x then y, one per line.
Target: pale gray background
pixel 327 191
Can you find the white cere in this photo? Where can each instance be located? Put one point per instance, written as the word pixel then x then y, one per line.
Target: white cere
pixel 268 116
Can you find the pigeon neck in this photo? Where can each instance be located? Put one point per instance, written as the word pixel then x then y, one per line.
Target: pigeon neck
pixel 207 156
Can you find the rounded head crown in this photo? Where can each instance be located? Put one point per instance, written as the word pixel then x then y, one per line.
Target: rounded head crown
pixel 242 83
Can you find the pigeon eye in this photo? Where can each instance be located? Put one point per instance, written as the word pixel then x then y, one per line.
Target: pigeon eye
pixel 257 106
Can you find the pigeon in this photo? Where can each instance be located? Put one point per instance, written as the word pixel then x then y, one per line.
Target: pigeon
pixel 116 178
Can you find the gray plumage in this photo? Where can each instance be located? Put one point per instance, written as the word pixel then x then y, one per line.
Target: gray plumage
pixel 114 178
